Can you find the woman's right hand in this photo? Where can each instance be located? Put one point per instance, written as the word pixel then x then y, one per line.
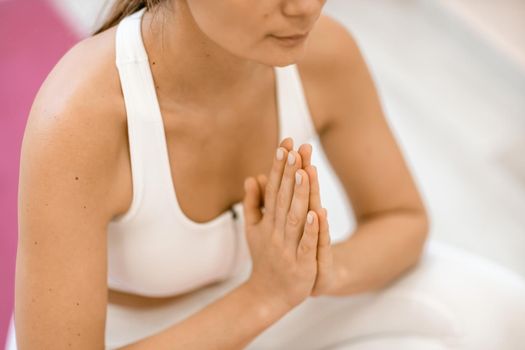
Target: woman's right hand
pixel 282 243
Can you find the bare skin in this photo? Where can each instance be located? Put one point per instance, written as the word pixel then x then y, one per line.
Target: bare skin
pixel 76 175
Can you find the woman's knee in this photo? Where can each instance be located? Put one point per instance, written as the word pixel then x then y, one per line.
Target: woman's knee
pixel 468 301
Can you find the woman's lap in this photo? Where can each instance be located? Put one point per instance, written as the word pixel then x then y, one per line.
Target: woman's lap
pixel 451 300
pixel 392 342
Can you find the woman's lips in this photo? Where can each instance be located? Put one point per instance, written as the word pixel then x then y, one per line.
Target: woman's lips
pixel 290 40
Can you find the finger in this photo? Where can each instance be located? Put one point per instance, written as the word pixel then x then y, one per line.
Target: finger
pixel 305 150
pixel 287 143
pixel 274 183
pixel 315 191
pixel 307 248
pixel 251 201
pixel 324 250
pixel 298 210
pixel 262 180
pixel 315 194
pixel 324 257
pixel 284 196
pixel 275 176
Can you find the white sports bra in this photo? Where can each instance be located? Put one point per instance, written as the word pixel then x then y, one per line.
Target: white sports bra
pixel 154 249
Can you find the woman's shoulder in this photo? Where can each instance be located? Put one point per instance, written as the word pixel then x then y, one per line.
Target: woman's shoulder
pixel 332 53
pixel 85 80
pixel 331 48
pixel 82 89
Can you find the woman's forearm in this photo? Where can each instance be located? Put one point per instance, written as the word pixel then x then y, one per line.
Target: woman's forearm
pixel 380 250
pixel 231 322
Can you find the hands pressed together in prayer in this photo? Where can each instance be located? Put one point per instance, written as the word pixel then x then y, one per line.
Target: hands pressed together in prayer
pixel 287 228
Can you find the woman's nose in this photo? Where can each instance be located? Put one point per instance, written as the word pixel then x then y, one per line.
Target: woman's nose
pixel 303 8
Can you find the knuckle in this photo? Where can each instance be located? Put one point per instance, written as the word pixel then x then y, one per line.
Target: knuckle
pixel 305 248
pixel 309 239
pixel 293 220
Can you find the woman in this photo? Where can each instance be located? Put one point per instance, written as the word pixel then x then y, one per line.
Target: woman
pixel 173 179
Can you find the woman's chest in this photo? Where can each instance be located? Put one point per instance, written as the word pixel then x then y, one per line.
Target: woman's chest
pixel 210 155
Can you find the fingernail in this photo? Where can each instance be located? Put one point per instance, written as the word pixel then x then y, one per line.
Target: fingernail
pixel 310 217
pixel 291 158
pixel 298 178
pixel 279 154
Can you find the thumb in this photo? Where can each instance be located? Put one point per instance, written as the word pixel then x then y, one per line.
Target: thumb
pixel 251 202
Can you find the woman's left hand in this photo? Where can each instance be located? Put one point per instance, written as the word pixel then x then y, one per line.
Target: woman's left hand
pixel 326 278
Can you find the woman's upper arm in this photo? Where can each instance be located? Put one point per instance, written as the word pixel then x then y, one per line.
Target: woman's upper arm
pixel 67 169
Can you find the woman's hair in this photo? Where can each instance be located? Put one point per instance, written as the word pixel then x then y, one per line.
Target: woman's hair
pixel 123 8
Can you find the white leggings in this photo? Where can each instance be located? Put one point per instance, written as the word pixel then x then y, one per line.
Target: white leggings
pixel 451 300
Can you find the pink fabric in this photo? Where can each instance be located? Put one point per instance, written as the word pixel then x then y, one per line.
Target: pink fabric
pixel 33 37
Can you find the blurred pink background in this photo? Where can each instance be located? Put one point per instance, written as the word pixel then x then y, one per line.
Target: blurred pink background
pixel 33 38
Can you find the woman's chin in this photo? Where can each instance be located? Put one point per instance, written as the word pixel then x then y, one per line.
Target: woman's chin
pixel 283 57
